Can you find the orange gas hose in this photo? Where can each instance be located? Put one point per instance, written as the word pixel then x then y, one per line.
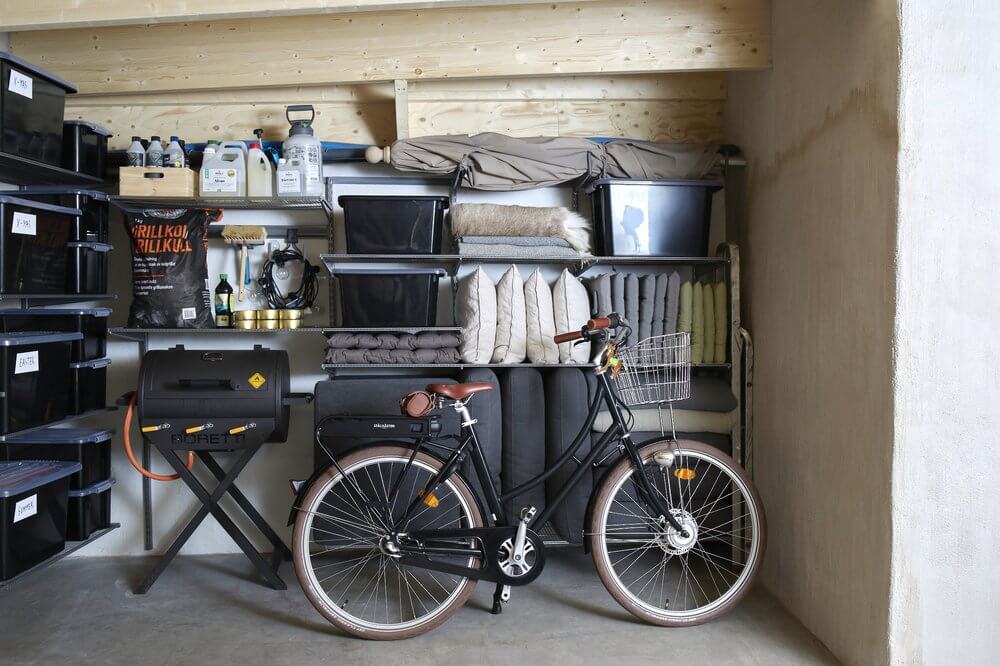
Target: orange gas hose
pixel 131 456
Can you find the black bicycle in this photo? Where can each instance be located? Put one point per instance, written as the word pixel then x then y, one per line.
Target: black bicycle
pixel 390 540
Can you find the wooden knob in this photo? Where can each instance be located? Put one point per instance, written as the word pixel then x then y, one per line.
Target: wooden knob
pixel 374 154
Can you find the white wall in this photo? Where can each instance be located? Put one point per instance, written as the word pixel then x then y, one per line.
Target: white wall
pixel 819 132
pixel 946 520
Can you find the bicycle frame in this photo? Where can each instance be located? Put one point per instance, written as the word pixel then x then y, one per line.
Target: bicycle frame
pixel 618 432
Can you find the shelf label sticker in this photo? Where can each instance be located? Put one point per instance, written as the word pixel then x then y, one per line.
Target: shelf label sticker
pixel 20 83
pixel 24 224
pixel 26 508
pixel 188 313
pixel 26 362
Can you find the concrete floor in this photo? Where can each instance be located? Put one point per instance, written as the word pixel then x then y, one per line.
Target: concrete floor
pixel 209 609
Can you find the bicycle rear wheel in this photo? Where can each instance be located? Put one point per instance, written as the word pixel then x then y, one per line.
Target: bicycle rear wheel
pixel 659 574
pixel 341 549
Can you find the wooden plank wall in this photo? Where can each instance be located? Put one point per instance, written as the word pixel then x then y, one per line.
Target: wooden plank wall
pixel 646 69
pixel 671 107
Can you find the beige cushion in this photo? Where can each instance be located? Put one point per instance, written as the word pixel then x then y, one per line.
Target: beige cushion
pixel 708 296
pixel 721 322
pixel 512 332
pixel 476 305
pixel 571 310
pixel 697 323
pixel 540 321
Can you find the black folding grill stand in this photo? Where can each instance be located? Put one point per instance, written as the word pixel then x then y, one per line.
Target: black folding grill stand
pixel 210 505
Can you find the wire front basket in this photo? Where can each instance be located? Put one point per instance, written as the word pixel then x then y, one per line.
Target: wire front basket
pixel 656 370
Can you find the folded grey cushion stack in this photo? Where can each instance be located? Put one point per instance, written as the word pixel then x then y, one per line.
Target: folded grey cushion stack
pixel 426 347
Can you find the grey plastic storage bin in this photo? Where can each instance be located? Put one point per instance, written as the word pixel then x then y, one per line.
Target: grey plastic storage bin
pixel 35 379
pixel 93 224
pixel 91 322
pixel 91 447
pixel 90 384
pixel 88 510
pixel 380 297
pixel 663 218
pixel 32 103
pixel 33 499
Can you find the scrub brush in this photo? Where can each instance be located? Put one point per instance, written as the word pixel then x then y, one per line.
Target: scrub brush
pixel 244 235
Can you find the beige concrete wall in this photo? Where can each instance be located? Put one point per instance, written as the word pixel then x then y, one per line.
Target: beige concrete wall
pixel 946 520
pixel 820 133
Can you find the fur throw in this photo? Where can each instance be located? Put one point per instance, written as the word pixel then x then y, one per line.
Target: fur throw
pixel 498 220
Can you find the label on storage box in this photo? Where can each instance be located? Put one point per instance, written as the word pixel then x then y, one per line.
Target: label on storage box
pixel 188 313
pixel 289 182
pixel 26 362
pixel 219 180
pixel 19 83
pixel 24 224
pixel 26 508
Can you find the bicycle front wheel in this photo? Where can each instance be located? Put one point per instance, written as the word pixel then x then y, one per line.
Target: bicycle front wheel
pixel 342 546
pixel 675 577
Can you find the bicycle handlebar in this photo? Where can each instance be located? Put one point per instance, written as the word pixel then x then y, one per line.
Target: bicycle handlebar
pixel 596 324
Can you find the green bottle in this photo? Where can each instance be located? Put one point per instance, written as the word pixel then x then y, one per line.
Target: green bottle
pixel 223 303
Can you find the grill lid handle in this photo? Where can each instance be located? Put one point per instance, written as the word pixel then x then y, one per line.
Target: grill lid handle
pixel 203 382
pixel 297 399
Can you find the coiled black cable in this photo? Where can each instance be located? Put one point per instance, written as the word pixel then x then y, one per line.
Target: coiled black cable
pixel 300 299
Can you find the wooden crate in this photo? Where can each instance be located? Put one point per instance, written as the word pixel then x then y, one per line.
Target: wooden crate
pixel 157 182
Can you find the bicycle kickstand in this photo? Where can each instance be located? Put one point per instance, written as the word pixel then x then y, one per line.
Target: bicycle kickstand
pixel 500 597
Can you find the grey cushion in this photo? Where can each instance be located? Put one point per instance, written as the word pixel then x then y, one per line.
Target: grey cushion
pixel 647 294
pixel 523 450
pixel 632 300
pixel 567 397
pixel 618 293
pixel 485 408
pixel 602 288
pixel 673 303
pixel 659 304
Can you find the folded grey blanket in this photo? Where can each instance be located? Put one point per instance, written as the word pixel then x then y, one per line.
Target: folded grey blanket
pixel 392 356
pixel 507 250
pixel 406 341
pixel 524 241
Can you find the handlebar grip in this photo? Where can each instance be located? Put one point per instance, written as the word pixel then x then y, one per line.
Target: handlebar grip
pixel 599 323
pixel 568 337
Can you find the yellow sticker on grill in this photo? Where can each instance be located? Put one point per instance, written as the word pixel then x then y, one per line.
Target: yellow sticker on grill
pixel 256 380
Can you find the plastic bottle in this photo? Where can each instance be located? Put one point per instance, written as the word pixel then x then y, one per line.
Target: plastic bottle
pixel 136 154
pixel 174 155
pixel 303 145
pixel 224 303
pixel 225 174
pixel 289 179
pixel 260 174
pixel 210 149
pixel 154 153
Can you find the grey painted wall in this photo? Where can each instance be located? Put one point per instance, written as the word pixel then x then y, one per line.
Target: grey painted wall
pixel 820 134
pixel 946 520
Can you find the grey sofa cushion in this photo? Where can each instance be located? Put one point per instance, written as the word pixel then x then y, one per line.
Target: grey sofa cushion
pixel 523 450
pixel 647 295
pixel 632 302
pixel 618 293
pixel 659 304
pixel 567 396
pixel 673 304
pixel 485 408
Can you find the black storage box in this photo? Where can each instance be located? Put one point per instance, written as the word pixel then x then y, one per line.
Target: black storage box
pixel 32 104
pixel 93 224
pixel 35 382
pixel 662 218
pixel 34 246
pixel 90 385
pixel 85 147
pixel 89 267
pixel 33 498
pixel 88 510
pixel 380 297
pixel 91 322
pixel 91 447
pixel 393 225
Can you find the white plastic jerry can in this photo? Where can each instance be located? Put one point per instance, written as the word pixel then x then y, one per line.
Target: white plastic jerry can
pixel 290 178
pixel 260 173
pixel 225 174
